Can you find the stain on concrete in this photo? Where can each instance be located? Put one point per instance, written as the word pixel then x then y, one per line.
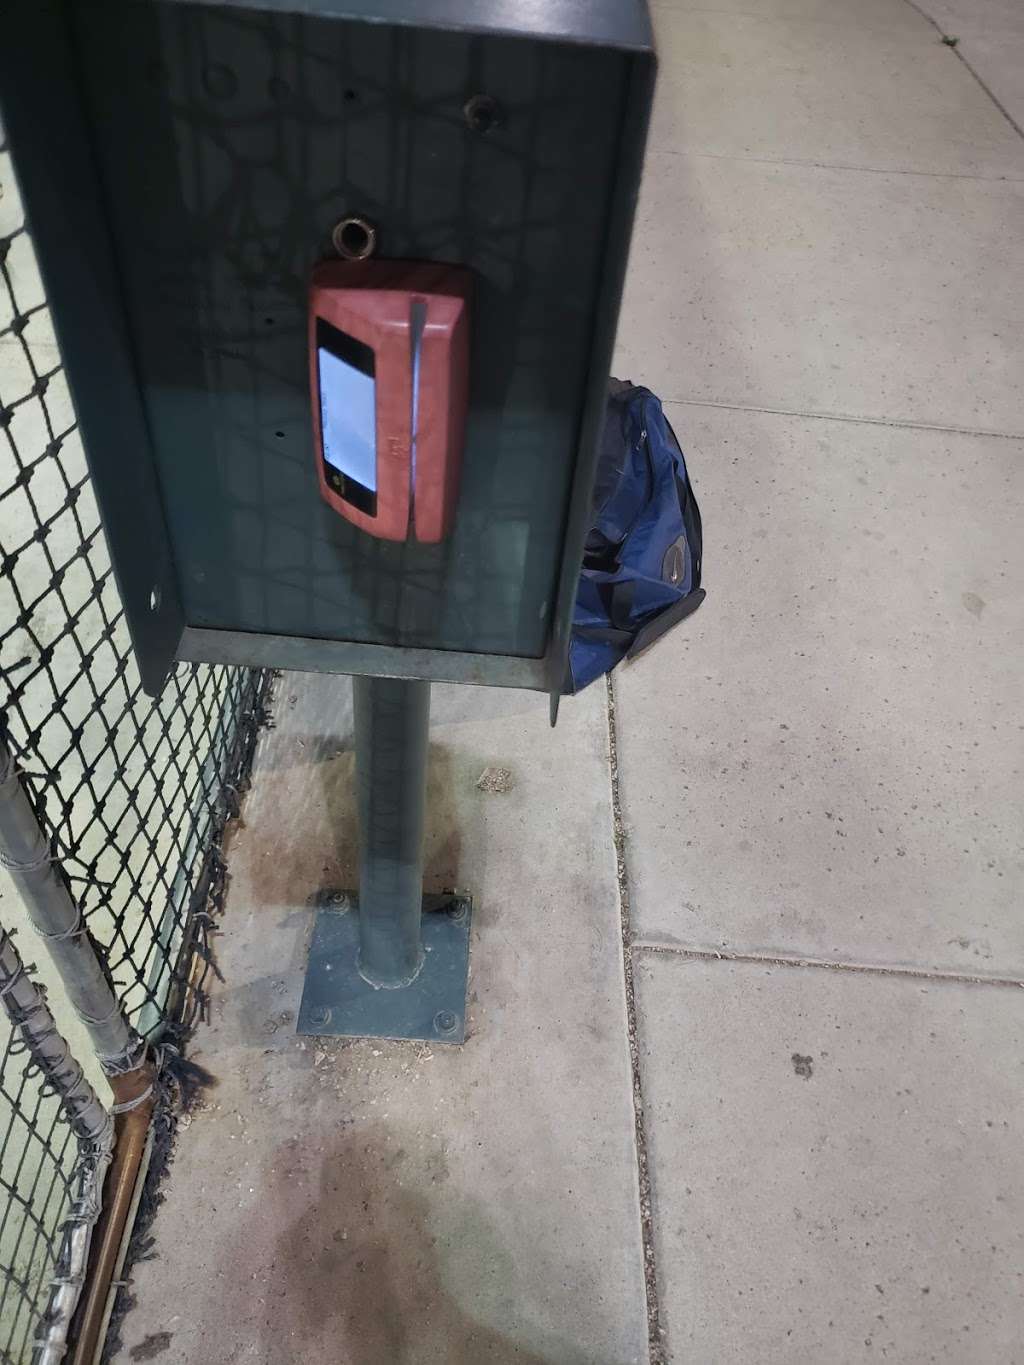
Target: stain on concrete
pixel 803 1066
pixel 381 1288
pixel 974 604
pixel 980 947
pixel 150 1346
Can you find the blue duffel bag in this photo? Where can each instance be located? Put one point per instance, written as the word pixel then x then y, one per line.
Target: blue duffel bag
pixel 641 565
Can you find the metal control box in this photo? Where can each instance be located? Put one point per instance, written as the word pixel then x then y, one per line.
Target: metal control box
pixel 183 166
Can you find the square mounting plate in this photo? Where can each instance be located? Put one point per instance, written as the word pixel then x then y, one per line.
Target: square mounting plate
pixel 338 1002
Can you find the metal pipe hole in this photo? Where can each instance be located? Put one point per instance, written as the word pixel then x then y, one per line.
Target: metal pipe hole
pixel 355 239
pixel 482 113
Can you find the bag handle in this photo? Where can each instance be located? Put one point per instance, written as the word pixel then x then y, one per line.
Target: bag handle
pixel 678 611
pixel 636 642
pixel 689 510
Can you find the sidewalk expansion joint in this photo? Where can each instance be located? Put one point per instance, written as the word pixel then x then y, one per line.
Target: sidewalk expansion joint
pixel 954 45
pixel 655 1330
pixel 687 154
pixel 641 945
pixel 903 423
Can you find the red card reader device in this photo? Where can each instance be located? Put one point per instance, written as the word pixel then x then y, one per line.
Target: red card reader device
pixel 388 363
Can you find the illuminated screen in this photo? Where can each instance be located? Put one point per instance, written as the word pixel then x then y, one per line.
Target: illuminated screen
pixel 348 421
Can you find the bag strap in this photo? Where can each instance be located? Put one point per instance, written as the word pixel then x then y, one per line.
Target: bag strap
pixel 617 599
pixel 690 511
pixel 604 635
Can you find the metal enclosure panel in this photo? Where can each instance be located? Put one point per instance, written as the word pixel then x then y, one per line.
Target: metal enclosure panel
pixel 230 145
pixel 342 656
pixel 619 227
pixel 227 146
pixel 607 23
pixel 57 178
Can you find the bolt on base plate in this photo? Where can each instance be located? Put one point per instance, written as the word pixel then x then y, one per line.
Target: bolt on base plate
pixel 338 1002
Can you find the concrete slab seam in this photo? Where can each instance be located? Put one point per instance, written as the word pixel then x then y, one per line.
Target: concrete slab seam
pixel 952 42
pixel 823 964
pixel 655 1331
pixel 902 423
pixel 689 155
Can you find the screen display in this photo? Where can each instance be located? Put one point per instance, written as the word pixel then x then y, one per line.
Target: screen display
pixel 348 420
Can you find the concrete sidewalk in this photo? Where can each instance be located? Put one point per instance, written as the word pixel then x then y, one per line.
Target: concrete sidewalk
pixel 744 1077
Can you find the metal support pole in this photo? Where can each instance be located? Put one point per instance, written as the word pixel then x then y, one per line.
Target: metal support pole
pixel 392 716
pixel 389 961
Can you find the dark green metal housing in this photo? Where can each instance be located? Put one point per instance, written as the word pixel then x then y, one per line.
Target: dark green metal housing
pixel 183 165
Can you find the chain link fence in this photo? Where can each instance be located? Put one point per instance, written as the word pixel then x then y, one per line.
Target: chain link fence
pixel 37 1162
pixel 56 1152
pixel 133 794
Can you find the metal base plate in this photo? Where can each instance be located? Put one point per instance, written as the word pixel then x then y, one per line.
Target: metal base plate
pixel 337 1002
